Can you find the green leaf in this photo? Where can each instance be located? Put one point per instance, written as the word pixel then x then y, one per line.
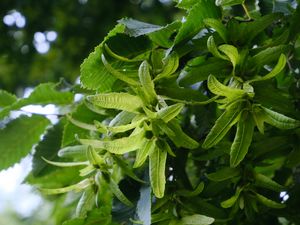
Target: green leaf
pixel 231 201
pixel 229 2
pixel 266 182
pixel 143 152
pixel 118 146
pixel 117 57
pixel 101 127
pixel 134 49
pixel 270 144
pixel 94 76
pixel 170 112
pixel 157 56
pixel 218 26
pixel 205 207
pixel 276 70
pixel 127 169
pixel 222 125
pixel 256 27
pixel 117 74
pixel 122 118
pixel 278 120
pixel 6 98
pixel 194 21
pixel 180 138
pixel 137 28
pixel 82 116
pixel 242 140
pixel 196 219
pixel 242 34
pixel 222 90
pixel 224 174
pixel 146 81
pixel 268 202
pixel 66 164
pixel 231 52
pixel 48 148
pixel 211 46
pixel 76 221
pixel 159 127
pixel 28 131
pixel 94 158
pixel 164 145
pixel 248 88
pixel 268 55
pixel 170 65
pixel 123 128
pixel 268 95
pixel 157 166
pixel 47 93
pixel 259 119
pixel 101 215
pixel 75 187
pixel 123 63
pixel 118 193
pixel 86 203
pixel 82 125
pixel 281 38
pixel 181 94
pixel 76 151
pixel 43 94
pixel 5 112
pixel 163 37
pixel 120 101
pixel 87 170
pixel 56 178
pixel 161 217
pixel 197 73
pixel 212 154
pixel 195 192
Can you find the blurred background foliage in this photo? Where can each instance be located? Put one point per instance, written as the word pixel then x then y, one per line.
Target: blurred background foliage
pixel 45 40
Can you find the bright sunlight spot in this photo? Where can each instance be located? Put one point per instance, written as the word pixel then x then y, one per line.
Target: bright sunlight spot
pixel 14 18
pixel 41 40
pixel 51 35
pixel 284 195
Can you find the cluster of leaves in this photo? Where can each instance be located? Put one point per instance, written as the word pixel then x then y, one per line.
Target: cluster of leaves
pixel 195 122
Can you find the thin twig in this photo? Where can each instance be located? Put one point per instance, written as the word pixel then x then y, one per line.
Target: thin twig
pixel 246 11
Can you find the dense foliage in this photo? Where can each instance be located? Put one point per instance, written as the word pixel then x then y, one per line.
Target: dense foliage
pixel 194 122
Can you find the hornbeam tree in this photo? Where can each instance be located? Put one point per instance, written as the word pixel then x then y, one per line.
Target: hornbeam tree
pixel 194 122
